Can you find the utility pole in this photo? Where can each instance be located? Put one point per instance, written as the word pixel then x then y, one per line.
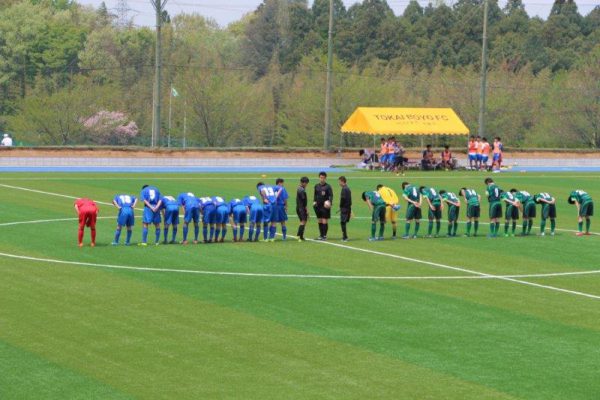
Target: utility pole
pixel 158 7
pixel 122 10
pixel 328 89
pixel 483 71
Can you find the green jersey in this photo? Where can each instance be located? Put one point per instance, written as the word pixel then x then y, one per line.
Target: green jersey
pixel 580 196
pixel 450 197
pixel 375 198
pixel 545 196
pixel 412 192
pixel 493 192
pixel 508 196
pixel 471 197
pixel 432 195
pixel 524 197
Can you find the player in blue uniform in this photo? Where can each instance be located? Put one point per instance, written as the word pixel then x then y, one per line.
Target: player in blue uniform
pixel 239 217
pixel 125 203
pixel 170 209
pixel 222 211
pixel 209 218
pixel 269 198
pixel 254 209
pixel 191 208
pixel 281 205
pixel 151 197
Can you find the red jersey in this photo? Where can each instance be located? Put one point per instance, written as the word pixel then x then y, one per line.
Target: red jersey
pixel 86 205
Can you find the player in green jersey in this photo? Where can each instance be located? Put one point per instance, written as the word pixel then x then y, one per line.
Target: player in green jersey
pixel 527 208
pixel 413 210
pixel 548 211
pixel 377 206
pixel 512 211
pixel 493 193
pixel 585 209
pixel 453 203
pixel 473 209
pixel 436 206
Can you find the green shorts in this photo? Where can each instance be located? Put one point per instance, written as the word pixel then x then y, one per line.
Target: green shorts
pixel 548 211
pixel 378 213
pixel 586 209
pixel 474 211
pixel 529 210
pixel 512 212
pixel 495 210
pixel 453 212
pixel 436 213
pixel 413 212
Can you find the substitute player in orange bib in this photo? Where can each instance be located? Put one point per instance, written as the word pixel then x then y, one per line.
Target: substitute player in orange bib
pixel 87 210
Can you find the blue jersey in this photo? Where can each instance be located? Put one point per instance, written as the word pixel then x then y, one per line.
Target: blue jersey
pixel 252 202
pixel 282 195
pixel 236 203
pixel 188 200
pixel 218 201
pixel 268 194
pixel 124 200
pixel 169 203
pixel 150 194
pixel 206 202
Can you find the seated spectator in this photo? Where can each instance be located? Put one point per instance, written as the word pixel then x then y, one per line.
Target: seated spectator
pixel 428 161
pixel 367 158
pixel 447 160
pixel 6 141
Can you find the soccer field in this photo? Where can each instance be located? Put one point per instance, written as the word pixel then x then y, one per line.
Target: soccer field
pixel 444 318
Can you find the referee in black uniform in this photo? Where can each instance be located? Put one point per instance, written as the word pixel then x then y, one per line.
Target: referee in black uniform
pixel 323 194
pixel 302 207
pixel 345 206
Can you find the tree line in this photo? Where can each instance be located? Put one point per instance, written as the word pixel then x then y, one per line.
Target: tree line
pixel 70 74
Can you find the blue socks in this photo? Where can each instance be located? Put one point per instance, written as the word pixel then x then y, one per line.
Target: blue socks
pixel 272 231
pixel 117 235
pixel 242 232
pixel 128 237
pixel 265 231
pixel 157 235
pixel 257 232
pixel 165 233
pixel 174 232
pixel 284 231
pixel 223 233
pixel 185 232
pixel 250 232
pixel 204 232
pixel 196 232
pixel 144 235
pixel 212 233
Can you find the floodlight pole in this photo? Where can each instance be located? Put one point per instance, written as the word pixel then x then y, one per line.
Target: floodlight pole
pixel 483 71
pixel 158 7
pixel 328 88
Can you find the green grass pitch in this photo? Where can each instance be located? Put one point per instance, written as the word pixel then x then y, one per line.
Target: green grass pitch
pixel 447 318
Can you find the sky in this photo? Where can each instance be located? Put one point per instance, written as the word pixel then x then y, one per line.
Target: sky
pixel 226 11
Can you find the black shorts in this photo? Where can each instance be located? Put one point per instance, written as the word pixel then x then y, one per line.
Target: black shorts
pixel 322 212
pixel 345 215
pixel 302 214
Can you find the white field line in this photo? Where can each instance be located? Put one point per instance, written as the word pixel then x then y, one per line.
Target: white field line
pixel 41 221
pixel 289 276
pixel 438 265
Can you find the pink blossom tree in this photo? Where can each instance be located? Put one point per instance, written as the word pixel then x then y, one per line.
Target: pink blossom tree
pixel 110 128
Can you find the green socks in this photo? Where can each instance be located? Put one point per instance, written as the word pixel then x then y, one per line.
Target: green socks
pixel 373 227
pixel 529 226
pixel 552 225
pixel 430 228
pixel 381 229
pixel 438 226
pixel 588 223
pixel 406 229
pixel 476 227
pixel 580 226
pixel 542 226
pixel 417 226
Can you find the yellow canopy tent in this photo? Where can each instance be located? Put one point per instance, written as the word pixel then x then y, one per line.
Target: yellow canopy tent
pixel 404 121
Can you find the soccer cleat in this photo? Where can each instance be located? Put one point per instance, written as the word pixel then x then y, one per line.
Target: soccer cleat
pixel 165 241
pixel 344 240
pixel 542 234
pixel 394 237
pixel 380 238
pixel 466 235
pixel 405 237
pixel 415 237
pixel 115 243
pixel 220 241
pixel 551 233
pixel 372 239
pixel 80 245
pixel 506 235
pixel 92 244
pixel 195 242
pixel 143 244
pixel 184 242
pixel 320 238
pixel 126 243
pixel 157 244
pixel 428 236
pixel 172 242
pixel 579 234
pixel 588 234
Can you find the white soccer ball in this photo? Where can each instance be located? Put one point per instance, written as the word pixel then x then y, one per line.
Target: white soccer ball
pixel 327 204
